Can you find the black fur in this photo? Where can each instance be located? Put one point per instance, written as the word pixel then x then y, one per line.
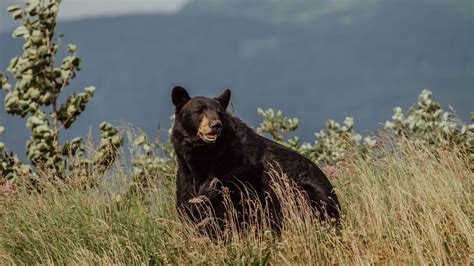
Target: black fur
pixel 239 156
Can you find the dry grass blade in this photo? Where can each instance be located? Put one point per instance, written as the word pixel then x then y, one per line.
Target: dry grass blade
pixel 404 203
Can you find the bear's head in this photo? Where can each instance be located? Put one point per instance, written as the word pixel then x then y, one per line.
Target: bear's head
pixel 203 119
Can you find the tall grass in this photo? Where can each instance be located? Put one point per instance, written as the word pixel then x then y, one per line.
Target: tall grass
pixel 408 204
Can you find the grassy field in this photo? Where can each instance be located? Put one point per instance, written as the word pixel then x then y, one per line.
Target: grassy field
pixel 413 206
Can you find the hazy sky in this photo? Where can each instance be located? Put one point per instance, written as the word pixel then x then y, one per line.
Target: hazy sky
pixel 72 9
pixel 76 9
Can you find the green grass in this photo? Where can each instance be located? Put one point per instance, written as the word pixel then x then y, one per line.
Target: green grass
pixel 414 206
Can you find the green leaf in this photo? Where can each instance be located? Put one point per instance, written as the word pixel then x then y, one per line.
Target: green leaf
pixel 90 89
pixel 65 74
pixel 71 48
pixel 20 31
pixel 13 63
pixel 116 140
pixel 36 37
pixel 42 50
pixel 13 8
pixel 34 93
pixel 76 62
pixel 17 14
pixel 71 109
pixel 32 6
pixel 46 98
pixel 36 121
pixel 105 126
pixel 32 2
pixel 140 140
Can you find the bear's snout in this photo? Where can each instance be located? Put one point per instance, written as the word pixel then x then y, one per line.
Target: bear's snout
pixel 209 128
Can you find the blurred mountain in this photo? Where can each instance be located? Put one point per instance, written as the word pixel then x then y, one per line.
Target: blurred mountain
pixel 314 60
pixel 309 11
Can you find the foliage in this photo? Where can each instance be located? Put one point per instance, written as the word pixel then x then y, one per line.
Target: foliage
pixel 277 125
pixel 152 162
pixel 330 144
pixel 110 141
pixel 152 158
pixel 39 84
pixel 429 123
pixel 11 168
pixel 9 163
pixel 426 122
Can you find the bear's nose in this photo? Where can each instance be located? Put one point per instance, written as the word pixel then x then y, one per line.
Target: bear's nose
pixel 216 126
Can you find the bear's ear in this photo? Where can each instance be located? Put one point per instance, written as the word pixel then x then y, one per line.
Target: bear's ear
pixel 224 98
pixel 179 96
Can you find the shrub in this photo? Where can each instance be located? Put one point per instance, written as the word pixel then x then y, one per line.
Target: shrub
pixel 330 144
pixel 153 162
pixel 426 122
pixel 11 168
pixel 429 123
pixel 39 83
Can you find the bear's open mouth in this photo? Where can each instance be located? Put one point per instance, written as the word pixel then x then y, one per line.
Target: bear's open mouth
pixel 209 137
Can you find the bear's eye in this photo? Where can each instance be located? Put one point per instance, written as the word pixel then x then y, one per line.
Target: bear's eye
pixel 200 110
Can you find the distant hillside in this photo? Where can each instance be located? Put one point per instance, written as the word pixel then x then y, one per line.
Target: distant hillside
pixel 360 60
pixel 309 11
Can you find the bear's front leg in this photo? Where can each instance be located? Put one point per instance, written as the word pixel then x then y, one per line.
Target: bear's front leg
pixel 210 189
pixel 209 198
pixel 203 208
pixel 196 202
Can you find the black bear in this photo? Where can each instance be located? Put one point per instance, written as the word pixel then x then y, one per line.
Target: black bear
pixel 210 144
